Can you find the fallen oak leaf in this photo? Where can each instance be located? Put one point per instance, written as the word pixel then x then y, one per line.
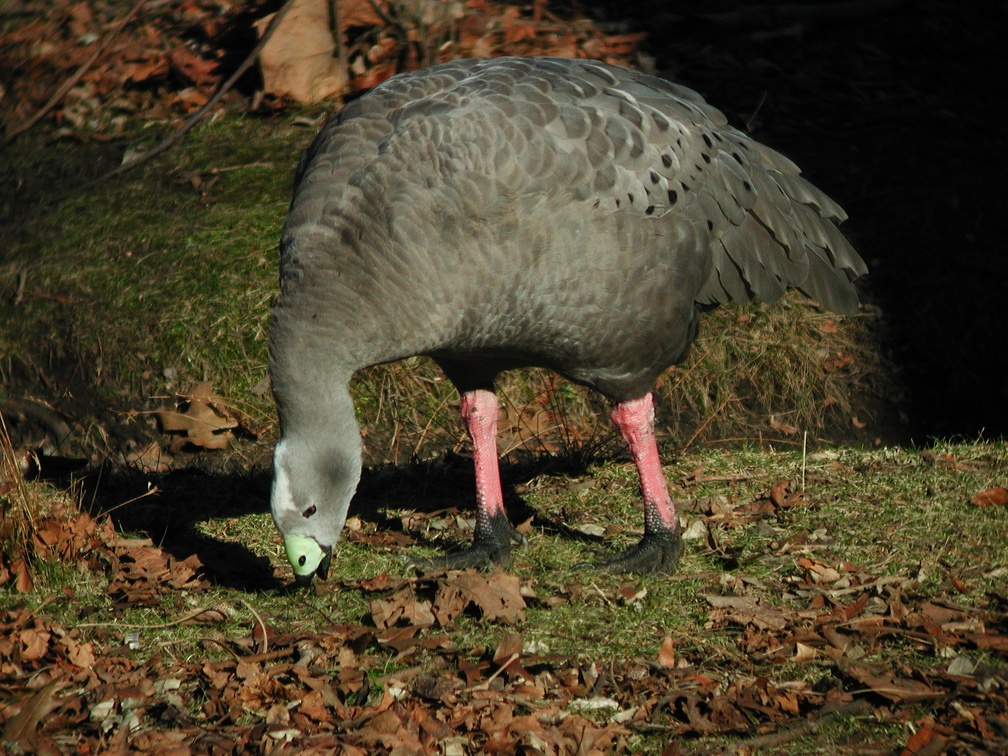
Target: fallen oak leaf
pixel 192 67
pixel 204 422
pixel 497 595
pixel 24 582
pixel 819 572
pixel 744 610
pixel 34 644
pixel 402 606
pixel 990 640
pixel 925 740
pixel 778 493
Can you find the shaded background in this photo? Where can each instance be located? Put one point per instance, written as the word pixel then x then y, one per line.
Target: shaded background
pixel 895 109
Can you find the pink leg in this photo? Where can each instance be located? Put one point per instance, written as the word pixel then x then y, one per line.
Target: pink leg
pixel 661 547
pixel 479 411
pixel 494 534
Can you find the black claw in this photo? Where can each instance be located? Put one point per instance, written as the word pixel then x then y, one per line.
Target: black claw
pixel 491 546
pixel 659 551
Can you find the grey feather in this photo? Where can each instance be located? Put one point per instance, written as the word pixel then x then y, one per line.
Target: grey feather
pixel 500 213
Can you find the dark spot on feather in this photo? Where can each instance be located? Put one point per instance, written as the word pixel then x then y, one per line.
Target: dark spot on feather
pixel 666 160
pixel 706 157
pixel 649 210
pixel 617 202
pixel 707 141
pixel 747 185
pixel 738 158
pixel 630 197
pixel 654 177
pixel 710 225
pixel 673 196
pixel 308 512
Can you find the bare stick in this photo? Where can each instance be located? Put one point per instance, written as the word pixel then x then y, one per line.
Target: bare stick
pixel 336 25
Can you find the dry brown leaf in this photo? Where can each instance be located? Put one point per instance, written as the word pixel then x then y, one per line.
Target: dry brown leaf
pixel 889 686
pixel 778 493
pixel 803 653
pixel 449 603
pixel 666 654
pixel 192 67
pixel 24 582
pixel 20 728
pixel 299 60
pixel 744 610
pixel 403 607
pixel 150 459
pixel 34 644
pixel 782 427
pixel 818 571
pixel 990 497
pixel 497 595
pixel 990 640
pixel 924 742
pixel 204 423
pixel 79 654
pixel 631 594
pixel 508 654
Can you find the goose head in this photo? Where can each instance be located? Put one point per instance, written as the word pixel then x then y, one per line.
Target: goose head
pixel 313 483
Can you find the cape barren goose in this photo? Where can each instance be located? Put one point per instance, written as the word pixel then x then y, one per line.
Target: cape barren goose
pixel 501 213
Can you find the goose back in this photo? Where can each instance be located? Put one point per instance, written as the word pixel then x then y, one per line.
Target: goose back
pixel 568 214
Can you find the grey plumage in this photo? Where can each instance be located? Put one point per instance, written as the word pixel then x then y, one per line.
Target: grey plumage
pixel 501 213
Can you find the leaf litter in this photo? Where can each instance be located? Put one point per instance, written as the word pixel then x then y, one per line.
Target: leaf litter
pixel 402 679
pixel 91 67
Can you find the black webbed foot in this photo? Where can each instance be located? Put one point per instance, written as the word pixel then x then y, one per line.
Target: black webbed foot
pixel 659 551
pixel 491 546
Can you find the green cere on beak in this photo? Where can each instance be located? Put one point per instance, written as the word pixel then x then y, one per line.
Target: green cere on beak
pixel 307 558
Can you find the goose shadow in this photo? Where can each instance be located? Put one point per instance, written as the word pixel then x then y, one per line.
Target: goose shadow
pixel 169 507
pixel 448 484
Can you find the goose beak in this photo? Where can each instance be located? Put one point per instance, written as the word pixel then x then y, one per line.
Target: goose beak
pixel 323 568
pixel 308 558
pixel 305 580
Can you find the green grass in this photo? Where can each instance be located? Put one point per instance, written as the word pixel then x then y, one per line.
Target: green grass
pixel 888 511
